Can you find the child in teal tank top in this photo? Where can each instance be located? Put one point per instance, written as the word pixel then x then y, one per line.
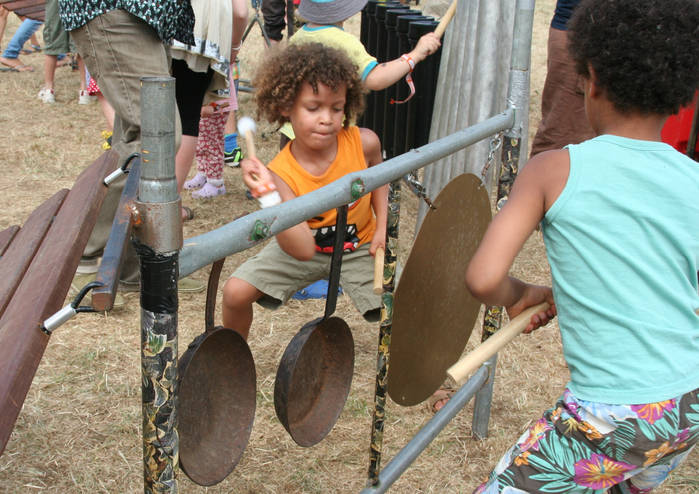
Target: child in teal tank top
pixel 620 224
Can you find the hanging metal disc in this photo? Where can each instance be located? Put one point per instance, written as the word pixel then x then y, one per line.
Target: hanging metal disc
pixel 433 312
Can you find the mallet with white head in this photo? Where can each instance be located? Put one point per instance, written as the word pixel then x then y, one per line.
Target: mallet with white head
pixel 248 127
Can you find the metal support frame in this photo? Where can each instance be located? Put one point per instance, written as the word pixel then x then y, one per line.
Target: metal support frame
pixel 159 198
pixel 157 245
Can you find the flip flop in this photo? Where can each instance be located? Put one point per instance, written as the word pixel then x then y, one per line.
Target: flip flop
pixel 28 52
pixel 190 213
pixel 16 69
pixel 445 392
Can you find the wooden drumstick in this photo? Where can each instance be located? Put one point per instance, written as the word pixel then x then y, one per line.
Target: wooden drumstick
pixel 444 22
pixel 492 345
pixel 378 271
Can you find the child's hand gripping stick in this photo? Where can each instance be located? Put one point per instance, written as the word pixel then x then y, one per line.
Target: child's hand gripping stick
pixel 378 271
pixel 442 26
pixel 492 345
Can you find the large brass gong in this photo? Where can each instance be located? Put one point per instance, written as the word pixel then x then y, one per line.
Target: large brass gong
pixel 433 312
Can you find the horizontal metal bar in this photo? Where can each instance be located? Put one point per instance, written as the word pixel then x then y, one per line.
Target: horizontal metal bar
pixel 254 228
pixel 406 456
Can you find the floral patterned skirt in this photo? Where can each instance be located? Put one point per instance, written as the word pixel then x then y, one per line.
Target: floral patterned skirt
pixel 585 447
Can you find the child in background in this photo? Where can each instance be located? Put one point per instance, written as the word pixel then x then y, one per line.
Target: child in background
pixel 232 154
pixel 318 90
pixel 208 182
pixel 325 20
pixel 621 238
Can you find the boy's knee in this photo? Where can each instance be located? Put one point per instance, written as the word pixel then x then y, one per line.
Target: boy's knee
pixel 239 293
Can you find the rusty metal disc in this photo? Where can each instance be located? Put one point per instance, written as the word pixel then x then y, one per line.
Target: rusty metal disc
pixel 314 379
pixel 433 312
pixel 216 405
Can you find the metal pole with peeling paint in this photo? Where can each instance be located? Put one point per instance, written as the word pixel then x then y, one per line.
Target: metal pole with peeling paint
pixel 157 243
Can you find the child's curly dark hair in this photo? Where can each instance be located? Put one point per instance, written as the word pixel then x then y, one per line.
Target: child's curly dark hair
pixel 644 53
pixel 279 79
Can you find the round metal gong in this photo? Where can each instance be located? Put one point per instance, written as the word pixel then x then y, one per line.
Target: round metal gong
pixel 433 312
pixel 314 379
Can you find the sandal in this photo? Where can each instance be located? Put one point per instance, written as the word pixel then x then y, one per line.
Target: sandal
pixel 445 392
pixel 188 214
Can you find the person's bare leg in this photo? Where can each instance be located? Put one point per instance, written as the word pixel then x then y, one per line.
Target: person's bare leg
pixel 106 109
pixel 238 297
pixel 3 21
pixel 49 70
pixel 184 159
pixel 231 127
pixel 81 69
pixel 33 40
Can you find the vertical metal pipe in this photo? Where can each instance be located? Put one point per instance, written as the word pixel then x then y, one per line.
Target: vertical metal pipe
pixel 482 403
pixel 389 274
pixel 157 244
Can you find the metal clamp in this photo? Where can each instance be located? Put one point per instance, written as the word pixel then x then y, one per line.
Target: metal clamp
pixel 121 170
pixel 418 189
pixel 69 311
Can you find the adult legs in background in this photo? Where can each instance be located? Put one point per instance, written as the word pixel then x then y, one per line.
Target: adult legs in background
pixel 10 56
pixel 274 14
pixel 118 49
pixel 3 21
pixel 563 119
pixel 190 91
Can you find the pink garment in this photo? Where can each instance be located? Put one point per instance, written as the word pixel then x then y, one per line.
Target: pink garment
pixel 93 88
pixel 210 146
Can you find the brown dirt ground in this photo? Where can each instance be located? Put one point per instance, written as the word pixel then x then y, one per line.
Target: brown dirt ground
pixel 79 430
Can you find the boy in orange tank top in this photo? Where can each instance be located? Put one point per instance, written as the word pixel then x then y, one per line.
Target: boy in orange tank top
pixel 318 90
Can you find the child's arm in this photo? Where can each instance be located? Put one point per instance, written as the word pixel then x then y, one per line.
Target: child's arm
pixel 388 73
pixel 379 197
pixel 538 185
pixel 297 241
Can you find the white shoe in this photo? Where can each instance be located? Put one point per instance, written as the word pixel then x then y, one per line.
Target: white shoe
pixel 84 98
pixel 47 96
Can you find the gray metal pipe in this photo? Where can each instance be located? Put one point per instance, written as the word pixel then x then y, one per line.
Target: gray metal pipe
pixel 405 457
pixel 252 229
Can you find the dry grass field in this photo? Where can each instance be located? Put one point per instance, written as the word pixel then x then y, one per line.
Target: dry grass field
pixel 80 428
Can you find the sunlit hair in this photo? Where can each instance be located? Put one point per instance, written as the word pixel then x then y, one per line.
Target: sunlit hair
pixel 278 81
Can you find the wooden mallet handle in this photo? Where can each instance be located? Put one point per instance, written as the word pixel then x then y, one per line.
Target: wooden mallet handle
pixel 492 345
pixel 248 127
pixel 378 271
pixel 444 22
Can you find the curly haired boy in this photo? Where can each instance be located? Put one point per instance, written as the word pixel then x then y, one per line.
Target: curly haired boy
pixel 318 90
pixel 621 240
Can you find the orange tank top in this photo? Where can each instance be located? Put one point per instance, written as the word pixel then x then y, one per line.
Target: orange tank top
pixel 361 223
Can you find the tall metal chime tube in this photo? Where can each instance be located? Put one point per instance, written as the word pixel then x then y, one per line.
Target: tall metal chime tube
pixel 517 94
pixel 370 45
pixel 381 57
pixel 425 78
pixel 390 94
pixel 402 88
pixel 157 243
pixel 389 274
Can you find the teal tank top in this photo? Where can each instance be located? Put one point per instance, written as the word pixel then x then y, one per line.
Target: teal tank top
pixel 623 244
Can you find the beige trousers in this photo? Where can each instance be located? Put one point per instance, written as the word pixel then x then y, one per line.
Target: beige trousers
pixel 118 49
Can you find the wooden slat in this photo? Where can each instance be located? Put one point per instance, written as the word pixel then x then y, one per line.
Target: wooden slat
pixel 19 255
pixel 30 10
pixel 20 4
pixel 38 16
pixel 110 266
pixel 6 238
pixel 43 289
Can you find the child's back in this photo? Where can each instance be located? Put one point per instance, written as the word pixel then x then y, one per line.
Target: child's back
pixel 619 223
pixel 623 247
